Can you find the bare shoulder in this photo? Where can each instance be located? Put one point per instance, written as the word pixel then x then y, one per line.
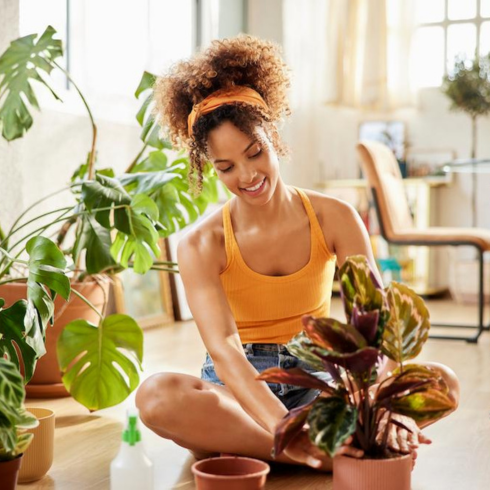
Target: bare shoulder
pixel 204 244
pixel 334 216
pixel 328 207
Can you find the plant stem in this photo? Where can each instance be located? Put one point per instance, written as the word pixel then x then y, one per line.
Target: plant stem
pixel 2 234
pixel 87 302
pixel 94 127
pixel 12 232
pixel 17 279
pixel 135 161
pixel 36 203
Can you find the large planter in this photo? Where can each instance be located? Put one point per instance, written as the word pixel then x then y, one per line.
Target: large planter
pixel 9 471
pixel 46 382
pixel 372 474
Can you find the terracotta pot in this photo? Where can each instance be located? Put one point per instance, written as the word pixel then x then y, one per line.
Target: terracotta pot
pixel 230 473
pixel 38 457
pixel 9 471
pixel 372 474
pixel 46 382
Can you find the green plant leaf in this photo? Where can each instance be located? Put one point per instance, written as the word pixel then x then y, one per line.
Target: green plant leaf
pixel 358 362
pixel 289 427
pixel 29 339
pixel 361 292
pixel 46 270
pixel 303 348
pixel 294 376
pixel 11 384
pixel 408 326
pixel 331 422
pixel 106 192
pixel 13 416
pixel 97 242
pixel 20 64
pixel 147 182
pixel 151 129
pixel 329 333
pixel 88 356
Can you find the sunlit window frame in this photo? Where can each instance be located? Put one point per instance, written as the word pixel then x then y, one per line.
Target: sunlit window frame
pixel 121 113
pixel 477 21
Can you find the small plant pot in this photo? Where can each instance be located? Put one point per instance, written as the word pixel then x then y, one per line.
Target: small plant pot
pixel 9 471
pixel 230 473
pixel 38 457
pixel 372 474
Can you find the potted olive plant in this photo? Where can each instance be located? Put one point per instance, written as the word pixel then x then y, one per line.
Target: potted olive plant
pixel 15 420
pixel 114 222
pixel 391 322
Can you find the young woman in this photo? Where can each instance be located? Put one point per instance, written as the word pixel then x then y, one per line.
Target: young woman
pixel 252 269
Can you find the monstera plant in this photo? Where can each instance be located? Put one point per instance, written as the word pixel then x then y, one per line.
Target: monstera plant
pixel 114 222
pixel 391 322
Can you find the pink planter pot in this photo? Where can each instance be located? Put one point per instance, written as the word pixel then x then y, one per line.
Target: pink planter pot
pixel 372 474
pixel 230 473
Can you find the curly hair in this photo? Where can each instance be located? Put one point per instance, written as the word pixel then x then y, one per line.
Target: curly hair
pixel 240 61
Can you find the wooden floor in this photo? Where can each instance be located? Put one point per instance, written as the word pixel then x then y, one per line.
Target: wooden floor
pixel 458 458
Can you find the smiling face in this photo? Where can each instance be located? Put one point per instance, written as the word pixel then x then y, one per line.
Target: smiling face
pixel 249 167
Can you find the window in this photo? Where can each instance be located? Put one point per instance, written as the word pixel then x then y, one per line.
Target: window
pixel 448 29
pixel 109 44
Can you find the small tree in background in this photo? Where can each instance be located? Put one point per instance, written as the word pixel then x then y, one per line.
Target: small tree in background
pixel 468 87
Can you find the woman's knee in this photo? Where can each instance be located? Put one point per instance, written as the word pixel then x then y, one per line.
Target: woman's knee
pixel 158 398
pixel 450 378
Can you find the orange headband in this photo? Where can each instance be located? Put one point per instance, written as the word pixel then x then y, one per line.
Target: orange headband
pixel 222 97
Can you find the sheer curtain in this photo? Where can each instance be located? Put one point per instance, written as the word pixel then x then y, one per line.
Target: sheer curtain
pixel 343 53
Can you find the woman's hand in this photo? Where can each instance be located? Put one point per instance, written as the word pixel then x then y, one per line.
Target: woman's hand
pixel 401 440
pixel 301 449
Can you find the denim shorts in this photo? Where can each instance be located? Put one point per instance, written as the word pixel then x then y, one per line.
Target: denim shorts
pixel 264 356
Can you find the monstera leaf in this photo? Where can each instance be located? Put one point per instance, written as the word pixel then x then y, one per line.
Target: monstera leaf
pixel 150 133
pixel 90 358
pixel 46 269
pixel 331 422
pixel 20 64
pixel 18 327
pixel 143 237
pixel 13 416
pixel 408 326
pixel 96 240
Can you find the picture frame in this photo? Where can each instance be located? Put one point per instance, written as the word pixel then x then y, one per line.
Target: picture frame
pixel 145 297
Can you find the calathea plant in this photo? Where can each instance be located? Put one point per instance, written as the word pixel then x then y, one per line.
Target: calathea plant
pixel 392 322
pixel 13 415
pixel 113 222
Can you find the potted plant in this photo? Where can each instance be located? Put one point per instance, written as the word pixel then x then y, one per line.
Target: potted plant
pixel 14 421
pixel 391 322
pixel 468 88
pixel 114 222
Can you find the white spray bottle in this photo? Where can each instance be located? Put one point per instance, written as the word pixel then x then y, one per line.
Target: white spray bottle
pixel 131 469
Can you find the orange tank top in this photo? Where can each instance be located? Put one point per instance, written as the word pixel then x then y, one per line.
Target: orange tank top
pixel 268 309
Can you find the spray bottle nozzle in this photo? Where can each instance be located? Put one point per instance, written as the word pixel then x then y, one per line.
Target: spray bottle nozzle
pixel 131 434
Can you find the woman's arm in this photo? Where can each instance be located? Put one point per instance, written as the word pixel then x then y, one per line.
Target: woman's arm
pixel 199 270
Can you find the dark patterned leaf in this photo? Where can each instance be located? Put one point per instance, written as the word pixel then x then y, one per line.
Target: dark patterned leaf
pixel 331 422
pixel 294 376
